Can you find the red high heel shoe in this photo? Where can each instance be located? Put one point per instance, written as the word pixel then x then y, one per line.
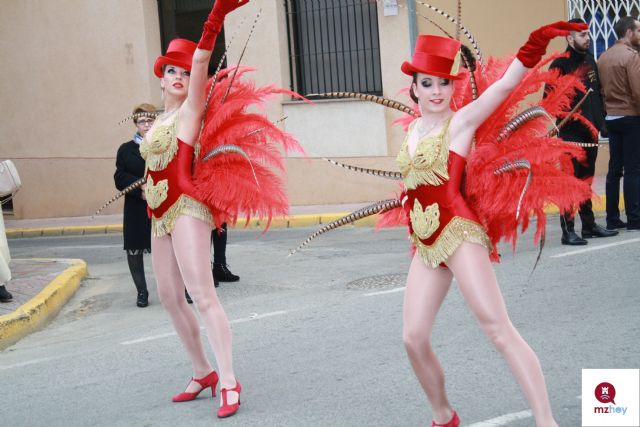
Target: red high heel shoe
pixel 210 380
pixel 454 422
pixel 227 410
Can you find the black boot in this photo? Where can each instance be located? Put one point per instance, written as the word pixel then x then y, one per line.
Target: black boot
pixel 5 295
pixel 219 242
pixel 222 273
pixel 597 231
pixel 616 224
pixel 569 237
pixel 572 239
pixel 136 267
pixel 216 283
pixel 143 299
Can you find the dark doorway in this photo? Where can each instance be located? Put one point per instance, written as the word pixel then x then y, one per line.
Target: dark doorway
pixel 184 19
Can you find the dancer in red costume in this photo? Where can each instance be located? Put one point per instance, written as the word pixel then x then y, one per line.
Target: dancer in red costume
pixel 181 224
pixel 450 240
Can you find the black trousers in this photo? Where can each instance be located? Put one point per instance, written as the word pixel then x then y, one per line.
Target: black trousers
pixel 583 171
pixel 624 147
pixel 219 244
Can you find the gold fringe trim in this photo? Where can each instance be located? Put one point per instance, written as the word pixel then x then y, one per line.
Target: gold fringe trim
pixel 429 162
pixel 185 205
pixel 458 230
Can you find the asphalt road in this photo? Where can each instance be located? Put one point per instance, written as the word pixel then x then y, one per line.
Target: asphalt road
pixel 317 336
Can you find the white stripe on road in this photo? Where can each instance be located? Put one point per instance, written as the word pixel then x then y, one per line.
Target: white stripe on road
pixel 595 248
pixel 252 316
pixel 503 419
pixel 389 291
pixel 151 338
pixel 31 362
pixel 255 316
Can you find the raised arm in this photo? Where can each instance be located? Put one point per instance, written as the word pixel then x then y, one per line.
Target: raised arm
pixel 470 117
pixel 202 55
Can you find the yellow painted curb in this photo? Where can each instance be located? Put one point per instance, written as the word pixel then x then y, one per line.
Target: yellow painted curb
pixel 304 220
pixel 51 231
pixel 293 221
pixel 43 307
pixel 94 229
pixel 12 233
pixel 115 228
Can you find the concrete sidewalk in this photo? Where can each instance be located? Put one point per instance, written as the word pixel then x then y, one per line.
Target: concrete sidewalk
pixel 40 288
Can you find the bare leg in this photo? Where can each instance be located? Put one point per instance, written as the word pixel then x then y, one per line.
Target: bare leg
pixel 171 294
pixel 191 246
pixel 426 289
pixel 478 284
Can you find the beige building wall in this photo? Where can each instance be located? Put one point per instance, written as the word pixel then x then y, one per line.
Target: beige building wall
pixel 83 65
pixel 77 67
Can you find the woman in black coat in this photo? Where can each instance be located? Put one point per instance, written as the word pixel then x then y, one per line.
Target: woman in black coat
pixel 136 223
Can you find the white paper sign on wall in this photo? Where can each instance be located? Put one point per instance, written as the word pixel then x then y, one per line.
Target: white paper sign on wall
pixel 390 7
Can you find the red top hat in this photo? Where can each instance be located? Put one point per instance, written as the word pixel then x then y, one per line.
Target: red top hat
pixel 435 55
pixel 179 53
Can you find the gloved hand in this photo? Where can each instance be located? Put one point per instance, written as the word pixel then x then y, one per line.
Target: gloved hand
pixel 214 22
pixel 535 48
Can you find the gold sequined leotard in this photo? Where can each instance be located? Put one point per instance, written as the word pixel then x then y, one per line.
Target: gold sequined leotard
pixel 440 219
pixel 169 191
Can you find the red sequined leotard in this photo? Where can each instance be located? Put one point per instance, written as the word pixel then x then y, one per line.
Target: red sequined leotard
pixel 169 190
pixel 440 219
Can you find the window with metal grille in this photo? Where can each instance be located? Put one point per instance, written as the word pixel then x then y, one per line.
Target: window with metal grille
pixel 602 15
pixel 334 46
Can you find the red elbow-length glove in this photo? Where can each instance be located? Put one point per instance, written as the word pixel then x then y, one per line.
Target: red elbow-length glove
pixel 214 22
pixel 535 48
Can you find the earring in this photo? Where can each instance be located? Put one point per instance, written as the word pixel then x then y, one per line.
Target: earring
pixel 454 104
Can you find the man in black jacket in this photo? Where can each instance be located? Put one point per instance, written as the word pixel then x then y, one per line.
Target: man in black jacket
pixel 581 60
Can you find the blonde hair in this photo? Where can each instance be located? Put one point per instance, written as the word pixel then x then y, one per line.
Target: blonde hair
pixel 143 108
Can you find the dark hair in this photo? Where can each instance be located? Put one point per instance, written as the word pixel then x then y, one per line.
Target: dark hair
pixel 412 94
pixel 624 24
pixel 576 21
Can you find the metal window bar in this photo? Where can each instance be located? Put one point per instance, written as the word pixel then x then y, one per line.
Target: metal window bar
pixel 602 15
pixel 334 46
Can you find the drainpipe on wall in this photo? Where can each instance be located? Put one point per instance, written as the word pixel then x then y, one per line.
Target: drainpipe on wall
pixel 413 26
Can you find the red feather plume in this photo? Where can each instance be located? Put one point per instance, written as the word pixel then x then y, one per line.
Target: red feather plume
pixel 495 197
pixel 232 185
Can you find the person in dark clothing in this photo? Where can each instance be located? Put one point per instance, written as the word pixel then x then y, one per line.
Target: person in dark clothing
pixel 219 267
pixel 619 68
pixel 592 109
pixel 136 223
